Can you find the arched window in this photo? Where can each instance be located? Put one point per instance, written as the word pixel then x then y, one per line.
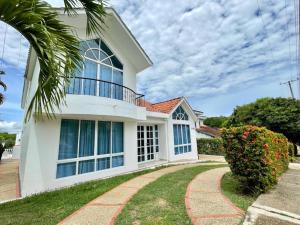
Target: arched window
pixel 180 114
pixel 102 72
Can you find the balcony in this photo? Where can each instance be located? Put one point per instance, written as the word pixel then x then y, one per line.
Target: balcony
pixel 107 89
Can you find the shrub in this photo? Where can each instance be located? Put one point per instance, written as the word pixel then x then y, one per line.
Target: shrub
pixel 291 152
pixel 256 155
pixel 210 146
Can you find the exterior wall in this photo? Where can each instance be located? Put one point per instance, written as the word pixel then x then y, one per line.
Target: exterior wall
pixel 40 153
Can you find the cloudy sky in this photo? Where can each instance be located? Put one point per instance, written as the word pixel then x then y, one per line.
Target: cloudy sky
pixel 217 53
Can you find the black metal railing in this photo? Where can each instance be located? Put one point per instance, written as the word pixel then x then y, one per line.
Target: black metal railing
pixel 95 87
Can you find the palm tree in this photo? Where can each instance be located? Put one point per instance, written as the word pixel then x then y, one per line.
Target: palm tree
pixel 2 84
pixel 56 47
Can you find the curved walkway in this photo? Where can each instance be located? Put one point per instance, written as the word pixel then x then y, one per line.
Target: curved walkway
pixel 205 202
pixel 105 209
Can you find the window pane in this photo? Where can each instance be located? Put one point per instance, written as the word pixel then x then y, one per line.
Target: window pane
pixel 103 137
pixel 90 71
pixel 105 48
pixel 175 134
pixel 117 161
pixel 176 150
pixel 179 134
pixel 87 137
pixel 103 163
pixel 86 166
pixel 188 134
pixel 66 169
pixel 68 139
pixel 118 90
pixel 179 114
pixel 105 75
pixel 184 134
pixel 117 137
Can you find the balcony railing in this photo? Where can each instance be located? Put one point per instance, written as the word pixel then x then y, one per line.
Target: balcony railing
pixel 95 87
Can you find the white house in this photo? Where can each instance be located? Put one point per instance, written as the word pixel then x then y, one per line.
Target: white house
pixel 106 128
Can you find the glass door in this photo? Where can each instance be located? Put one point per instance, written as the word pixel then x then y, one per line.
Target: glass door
pixel 147 142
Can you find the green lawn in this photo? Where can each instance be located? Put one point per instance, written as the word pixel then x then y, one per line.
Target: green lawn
pixel 162 201
pixel 232 190
pixel 52 207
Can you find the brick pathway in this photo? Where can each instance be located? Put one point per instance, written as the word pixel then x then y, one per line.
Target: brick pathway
pixel 205 203
pixel 105 209
pixel 9 179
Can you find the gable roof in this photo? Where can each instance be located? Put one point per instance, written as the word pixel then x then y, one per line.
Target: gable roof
pixel 213 132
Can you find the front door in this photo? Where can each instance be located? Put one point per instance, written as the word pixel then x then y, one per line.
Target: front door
pixel 147 142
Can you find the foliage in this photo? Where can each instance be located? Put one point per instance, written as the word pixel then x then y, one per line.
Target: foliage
pixel 216 122
pixel 162 201
pixel 8 139
pixel 51 207
pixel 291 148
pixel 256 155
pixel 232 188
pixel 210 146
pixel 280 115
pixel 3 85
pixel 57 49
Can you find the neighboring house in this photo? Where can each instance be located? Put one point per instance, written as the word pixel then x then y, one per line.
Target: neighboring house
pixel 106 128
pixel 200 118
pixel 207 132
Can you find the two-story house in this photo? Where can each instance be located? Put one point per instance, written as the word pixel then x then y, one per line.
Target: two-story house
pixel 106 128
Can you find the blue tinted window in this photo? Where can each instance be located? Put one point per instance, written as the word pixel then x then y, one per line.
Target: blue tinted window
pixel 66 169
pixel 86 166
pixel 103 163
pixel 68 139
pixel 117 161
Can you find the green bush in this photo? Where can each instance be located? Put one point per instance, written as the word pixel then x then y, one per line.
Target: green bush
pixel 291 152
pixel 256 155
pixel 210 146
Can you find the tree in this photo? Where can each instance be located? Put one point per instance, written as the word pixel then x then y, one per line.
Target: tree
pixel 217 121
pixel 281 115
pixel 56 47
pixel 2 84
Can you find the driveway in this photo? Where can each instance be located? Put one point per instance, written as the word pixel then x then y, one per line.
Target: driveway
pixel 9 180
pixel 279 206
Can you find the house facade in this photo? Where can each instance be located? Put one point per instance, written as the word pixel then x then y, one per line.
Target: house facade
pixel 106 128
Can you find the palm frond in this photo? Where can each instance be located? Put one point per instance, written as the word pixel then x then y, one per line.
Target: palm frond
pixel 3 85
pixel 95 12
pixel 56 48
pixel 1 98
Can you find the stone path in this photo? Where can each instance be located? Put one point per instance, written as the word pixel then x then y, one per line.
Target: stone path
pixel 205 203
pixel 9 180
pixel 279 206
pixel 105 209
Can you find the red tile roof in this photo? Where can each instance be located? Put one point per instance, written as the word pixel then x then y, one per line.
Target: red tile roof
pixel 162 107
pixel 214 132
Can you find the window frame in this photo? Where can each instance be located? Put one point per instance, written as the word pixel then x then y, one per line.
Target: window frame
pixel 189 141
pixel 95 156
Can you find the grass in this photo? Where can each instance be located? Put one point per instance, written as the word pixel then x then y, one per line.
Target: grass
pixel 232 189
pixel 162 201
pixel 51 207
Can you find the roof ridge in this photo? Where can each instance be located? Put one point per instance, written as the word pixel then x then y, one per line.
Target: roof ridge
pixel 167 100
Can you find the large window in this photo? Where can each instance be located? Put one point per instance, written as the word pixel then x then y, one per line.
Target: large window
pixel 99 64
pixel 182 138
pixel 179 114
pixel 88 146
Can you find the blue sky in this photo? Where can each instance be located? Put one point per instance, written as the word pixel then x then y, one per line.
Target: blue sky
pixel 217 53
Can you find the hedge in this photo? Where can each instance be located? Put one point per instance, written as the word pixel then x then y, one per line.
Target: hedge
pixel 210 146
pixel 256 155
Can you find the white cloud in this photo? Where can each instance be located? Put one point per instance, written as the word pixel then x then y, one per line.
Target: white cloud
pixel 10 126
